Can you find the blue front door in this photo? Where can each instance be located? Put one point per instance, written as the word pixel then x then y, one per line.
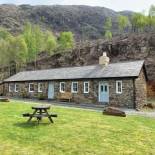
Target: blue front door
pixel 50 90
pixel 104 92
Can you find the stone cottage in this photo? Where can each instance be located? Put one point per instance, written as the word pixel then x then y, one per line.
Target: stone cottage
pixel 117 84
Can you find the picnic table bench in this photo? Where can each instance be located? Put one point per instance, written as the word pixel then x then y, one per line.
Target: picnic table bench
pixel 39 113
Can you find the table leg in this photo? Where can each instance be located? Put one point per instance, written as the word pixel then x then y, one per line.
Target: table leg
pixel 49 117
pixel 32 115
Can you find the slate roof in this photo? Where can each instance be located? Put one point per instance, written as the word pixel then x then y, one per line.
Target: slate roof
pixel 114 70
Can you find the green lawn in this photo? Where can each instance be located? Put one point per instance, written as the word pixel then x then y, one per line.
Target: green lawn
pixel 75 132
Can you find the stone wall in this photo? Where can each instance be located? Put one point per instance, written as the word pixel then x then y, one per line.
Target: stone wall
pixel 151 89
pixel 24 90
pixel 140 91
pixel 126 99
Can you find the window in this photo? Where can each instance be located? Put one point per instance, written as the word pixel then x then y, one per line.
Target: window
pixel 86 87
pixel 16 87
pixel 40 87
pixel 31 87
pixel 119 87
pixel 74 87
pixel 11 87
pixel 62 87
pixel 105 88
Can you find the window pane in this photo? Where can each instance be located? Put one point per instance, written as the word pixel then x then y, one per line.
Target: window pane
pixel 31 87
pixel 11 87
pixel 118 86
pixel 86 87
pixel 105 88
pixel 40 87
pixel 17 87
pixel 74 86
pixel 62 87
pixel 102 89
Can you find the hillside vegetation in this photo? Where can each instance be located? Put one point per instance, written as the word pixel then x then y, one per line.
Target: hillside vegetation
pixel 84 21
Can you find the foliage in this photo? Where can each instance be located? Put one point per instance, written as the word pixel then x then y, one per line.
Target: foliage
pixel 51 42
pixel 74 132
pixel 4 34
pixel 18 50
pixel 139 22
pixel 66 40
pixel 123 22
pixel 152 11
pixel 108 24
pixel 107 28
pixel 26 46
pixel 108 35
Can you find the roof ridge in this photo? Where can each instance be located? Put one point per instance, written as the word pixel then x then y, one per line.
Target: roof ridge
pixel 79 66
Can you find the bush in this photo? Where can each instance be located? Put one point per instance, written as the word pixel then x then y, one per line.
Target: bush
pixel 41 97
pixel 24 94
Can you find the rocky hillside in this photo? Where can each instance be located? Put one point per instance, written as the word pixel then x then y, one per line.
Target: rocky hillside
pixel 127 48
pixel 84 21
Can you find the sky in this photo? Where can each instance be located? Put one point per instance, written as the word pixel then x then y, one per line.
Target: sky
pixel 117 5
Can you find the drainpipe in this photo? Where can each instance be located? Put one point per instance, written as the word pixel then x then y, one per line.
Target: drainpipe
pixel 134 94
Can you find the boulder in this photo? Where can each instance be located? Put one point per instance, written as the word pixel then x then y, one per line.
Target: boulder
pixel 4 100
pixel 114 112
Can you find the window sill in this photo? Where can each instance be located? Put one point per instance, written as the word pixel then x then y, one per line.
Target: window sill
pixel 118 93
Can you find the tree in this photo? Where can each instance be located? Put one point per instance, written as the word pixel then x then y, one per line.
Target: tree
pixel 108 24
pixel 30 41
pixel 51 43
pixel 123 22
pixel 34 39
pixel 4 34
pixel 66 40
pixel 139 22
pixel 152 11
pixel 151 17
pixel 18 50
pixel 108 35
pixel 107 28
pixel 4 59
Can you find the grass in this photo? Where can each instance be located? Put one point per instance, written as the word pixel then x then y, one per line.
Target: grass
pixel 75 132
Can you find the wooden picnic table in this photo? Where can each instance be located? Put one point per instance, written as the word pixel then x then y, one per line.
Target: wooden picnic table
pixel 40 112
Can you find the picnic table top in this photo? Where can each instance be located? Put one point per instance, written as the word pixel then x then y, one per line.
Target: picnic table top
pixel 41 107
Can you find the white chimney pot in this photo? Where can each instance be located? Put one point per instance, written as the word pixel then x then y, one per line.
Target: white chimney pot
pixel 104 60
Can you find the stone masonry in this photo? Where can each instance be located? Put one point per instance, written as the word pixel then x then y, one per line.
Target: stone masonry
pixel 126 99
pixel 140 91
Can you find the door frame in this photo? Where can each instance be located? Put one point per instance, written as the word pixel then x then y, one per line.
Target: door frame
pixel 52 83
pixel 99 90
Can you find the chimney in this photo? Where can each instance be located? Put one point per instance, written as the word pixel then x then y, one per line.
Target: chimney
pixel 104 60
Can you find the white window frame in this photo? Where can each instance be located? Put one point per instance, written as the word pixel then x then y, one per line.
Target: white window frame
pixel 73 89
pixel 60 87
pixel 117 91
pixel 29 87
pixel 84 88
pixel 39 88
pixel 11 90
pixel 16 88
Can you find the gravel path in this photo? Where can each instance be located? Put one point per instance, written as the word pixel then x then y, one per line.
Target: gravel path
pixel 91 107
pixel 141 113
